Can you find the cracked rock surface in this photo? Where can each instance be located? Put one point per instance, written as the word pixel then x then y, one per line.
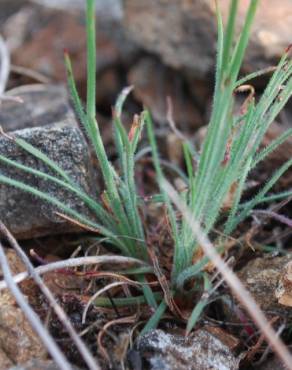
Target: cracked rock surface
pixel 200 351
pixel 25 215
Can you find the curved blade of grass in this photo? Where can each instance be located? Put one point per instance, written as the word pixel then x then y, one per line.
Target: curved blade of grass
pixel 238 193
pixel 121 99
pixel 279 196
pixel 250 205
pixel 272 146
pixel 191 272
pixel 74 94
pixel 253 75
pixel 200 306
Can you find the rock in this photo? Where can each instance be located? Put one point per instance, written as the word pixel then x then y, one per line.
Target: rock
pixel 25 215
pixel 8 7
pixel 261 277
pixel 37 36
pixel 42 105
pixel 18 342
pixel 4 360
pixel 272 364
pixel 16 265
pixel 20 348
pixel 153 83
pixel 183 32
pixel 36 365
pixel 39 365
pixel 270 32
pixel 284 289
pixel 199 351
pixel 105 8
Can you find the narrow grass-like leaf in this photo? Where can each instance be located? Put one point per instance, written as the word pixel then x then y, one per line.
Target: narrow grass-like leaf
pixel 155 318
pixel 243 41
pixel 74 94
pixel 191 272
pixel 250 205
pixel 200 306
pixel 253 75
pixel 238 193
pixel 124 302
pixel 229 33
pixel 272 146
pixel 91 60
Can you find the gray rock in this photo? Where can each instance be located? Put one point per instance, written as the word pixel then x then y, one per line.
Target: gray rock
pixel 25 215
pixel 272 364
pixel 42 105
pixel 199 351
pixel 39 365
pixel 8 7
pixel 111 9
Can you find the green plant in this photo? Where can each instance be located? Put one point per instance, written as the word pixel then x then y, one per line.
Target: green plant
pixel 229 152
pixel 117 217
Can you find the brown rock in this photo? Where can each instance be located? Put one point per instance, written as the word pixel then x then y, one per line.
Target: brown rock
pixel 18 342
pixel 183 32
pixel 271 32
pixel 284 289
pixel 261 277
pixel 17 339
pixel 153 83
pixel 37 36
pixel 40 41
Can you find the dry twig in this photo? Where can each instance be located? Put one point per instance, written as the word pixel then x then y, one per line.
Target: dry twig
pixel 122 320
pixel 87 356
pixel 99 292
pixel 73 262
pixel 31 316
pixel 5 65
